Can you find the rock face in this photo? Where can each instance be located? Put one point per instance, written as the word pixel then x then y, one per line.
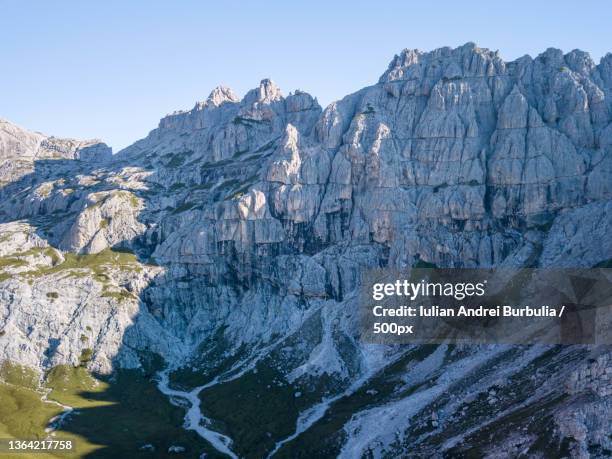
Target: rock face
pixel 20 148
pixel 252 220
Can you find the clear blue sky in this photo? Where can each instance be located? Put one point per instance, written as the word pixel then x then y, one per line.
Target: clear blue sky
pixel 111 69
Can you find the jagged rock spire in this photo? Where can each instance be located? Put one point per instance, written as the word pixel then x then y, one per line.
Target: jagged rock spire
pixel 220 95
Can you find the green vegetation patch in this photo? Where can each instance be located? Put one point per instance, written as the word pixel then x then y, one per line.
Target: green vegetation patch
pixel 253 157
pixel 134 202
pixel 248 122
pixel 12 262
pixel 176 161
pixel 118 414
pixel 119 295
pixel 369 110
pixel 203 186
pixel 18 260
pixel 177 186
pixel 267 146
pixel 19 375
pixel 229 183
pixel 604 264
pixel 255 410
pixel 42 251
pixel 86 355
pixel 184 207
pixel 68 384
pixel 23 415
pixel 95 265
pixel 213 165
pixel 239 153
pixel 239 188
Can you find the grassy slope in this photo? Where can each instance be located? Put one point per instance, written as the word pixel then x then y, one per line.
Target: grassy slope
pixel 115 416
pixel 23 415
pixel 122 413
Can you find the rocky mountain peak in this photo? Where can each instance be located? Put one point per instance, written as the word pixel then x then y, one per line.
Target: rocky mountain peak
pixel 268 90
pixel 267 93
pixel 577 61
pixel 17 142
pixel 466 60
pixel 220 95
pixel 580 61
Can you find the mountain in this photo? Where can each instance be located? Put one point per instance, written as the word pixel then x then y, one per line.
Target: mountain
pixel 222 254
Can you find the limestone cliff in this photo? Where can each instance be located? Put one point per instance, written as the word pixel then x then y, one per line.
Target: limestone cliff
pixel 251 220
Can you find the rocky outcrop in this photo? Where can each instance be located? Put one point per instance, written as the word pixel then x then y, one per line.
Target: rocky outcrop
pixel 20 148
